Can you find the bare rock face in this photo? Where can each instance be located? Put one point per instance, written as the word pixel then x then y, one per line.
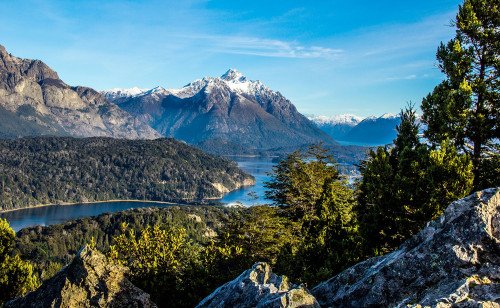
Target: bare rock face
pixel 88 281
pixel 259 287
pixel 454 261
pixel 34 102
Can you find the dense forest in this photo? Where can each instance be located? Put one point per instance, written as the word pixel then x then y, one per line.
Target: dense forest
pixel 53 246
pixel 46 170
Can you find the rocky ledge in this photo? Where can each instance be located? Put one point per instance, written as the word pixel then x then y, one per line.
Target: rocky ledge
pixel 88 281
pixel 259 287
pixel 454 261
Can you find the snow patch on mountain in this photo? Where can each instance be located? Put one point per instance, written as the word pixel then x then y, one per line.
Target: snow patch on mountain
pixel 232 79
pixel 122 92
pixel 343 119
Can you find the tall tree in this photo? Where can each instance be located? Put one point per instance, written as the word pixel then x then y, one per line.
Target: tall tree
pixel 465 107
pixel 16 275
pixel 329 239
pixel 297 181
pixel 404 187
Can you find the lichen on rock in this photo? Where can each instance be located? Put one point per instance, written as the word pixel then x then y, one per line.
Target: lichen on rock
pixel 90 280
pixel 454 261
pixel 259 287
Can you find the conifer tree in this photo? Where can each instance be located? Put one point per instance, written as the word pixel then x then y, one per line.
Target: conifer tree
pixel 465 108
pixel 404 187
pixel 16 275
pixel 297 182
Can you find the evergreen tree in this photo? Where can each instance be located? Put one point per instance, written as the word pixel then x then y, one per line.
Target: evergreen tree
pixel 404 187
pixel 297 181
pixel 310 189
pixel 329 241
pixel 465 108
pixel 16 275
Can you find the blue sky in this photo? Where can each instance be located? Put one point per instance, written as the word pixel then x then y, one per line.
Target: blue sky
pixel 327 57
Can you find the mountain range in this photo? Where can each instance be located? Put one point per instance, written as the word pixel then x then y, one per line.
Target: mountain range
pixel 223 114
pixel 229 114
pixel 351 129
pixel 35 101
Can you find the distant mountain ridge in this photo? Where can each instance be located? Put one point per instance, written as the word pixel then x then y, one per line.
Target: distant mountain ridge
pixel 356 130
pixel 226 113
pixel 34 101
pixel 336 126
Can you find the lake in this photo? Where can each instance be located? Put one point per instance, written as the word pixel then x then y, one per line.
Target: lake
pixel 54 214
pixel 259 167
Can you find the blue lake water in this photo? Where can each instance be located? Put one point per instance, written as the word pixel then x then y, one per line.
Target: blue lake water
pixel 259 167
pixel 54 214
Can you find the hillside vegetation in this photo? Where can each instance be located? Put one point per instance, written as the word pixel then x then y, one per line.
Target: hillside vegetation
pixel 37 171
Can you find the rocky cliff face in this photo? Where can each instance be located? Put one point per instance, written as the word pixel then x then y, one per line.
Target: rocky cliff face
pixel 454 261
pixel 34 101
pixel 228 112
pixel 259 287
pixel 88 281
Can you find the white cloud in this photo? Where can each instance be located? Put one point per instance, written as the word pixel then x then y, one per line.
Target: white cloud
pixel 255 46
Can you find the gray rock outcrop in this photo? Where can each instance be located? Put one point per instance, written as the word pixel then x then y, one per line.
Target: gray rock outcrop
pixel 454 261
pixel 34 102
pixel 259 287
pixel 88 281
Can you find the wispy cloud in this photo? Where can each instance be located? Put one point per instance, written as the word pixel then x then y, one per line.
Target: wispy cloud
pixel 264 47
pixel 407 77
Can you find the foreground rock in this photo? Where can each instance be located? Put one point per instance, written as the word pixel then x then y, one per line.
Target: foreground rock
pixel 259 287
pixel 88 281
pixel 455 261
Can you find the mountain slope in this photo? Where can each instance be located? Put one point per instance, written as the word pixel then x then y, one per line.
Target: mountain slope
pixel 356 130
pixel 228 112
pixel 34 101
pixel 336 126
pixel 47 170
pixel 374 130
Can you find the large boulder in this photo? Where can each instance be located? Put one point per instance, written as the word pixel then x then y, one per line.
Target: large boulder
pixel 88 281
pixel 259 287
pixel 453 261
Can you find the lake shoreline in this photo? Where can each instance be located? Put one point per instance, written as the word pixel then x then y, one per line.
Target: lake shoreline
pixel 93 202
pixel 57 212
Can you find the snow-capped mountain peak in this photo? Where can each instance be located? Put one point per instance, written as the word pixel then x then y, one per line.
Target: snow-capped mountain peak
pixel 157 89
pixel 233 75
pixel 389 116
pixel 343 119
pixel 386 116
pixel 122 92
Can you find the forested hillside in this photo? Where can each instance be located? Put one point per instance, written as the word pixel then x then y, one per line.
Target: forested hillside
pixel 53 246
pixel 37 171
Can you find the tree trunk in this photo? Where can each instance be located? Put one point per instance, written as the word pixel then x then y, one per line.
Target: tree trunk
pixel 478 125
